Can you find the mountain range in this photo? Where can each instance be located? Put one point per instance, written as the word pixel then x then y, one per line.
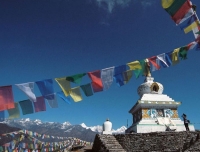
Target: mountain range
pixel 60 129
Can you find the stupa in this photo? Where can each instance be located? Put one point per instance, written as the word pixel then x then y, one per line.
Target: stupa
pixel 154 111
pixel 107 127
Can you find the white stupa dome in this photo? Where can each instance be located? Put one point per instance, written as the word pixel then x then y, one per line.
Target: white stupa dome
pixel 150 87
pixel 107 126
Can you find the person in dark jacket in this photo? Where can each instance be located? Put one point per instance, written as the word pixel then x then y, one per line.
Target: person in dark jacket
pixel 186 122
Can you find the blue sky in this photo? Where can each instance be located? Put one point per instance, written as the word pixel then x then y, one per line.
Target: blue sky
pixel 43 39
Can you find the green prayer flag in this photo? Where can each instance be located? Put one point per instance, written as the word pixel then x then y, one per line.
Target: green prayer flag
pixel 26 106
pixel 143 71
pixel 76 78
pixel 183 53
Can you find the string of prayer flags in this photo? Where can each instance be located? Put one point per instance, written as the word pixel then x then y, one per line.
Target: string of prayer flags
pixel 64 85
pixel 75 93
pixel 118 74
pixel 27 88
pixel 52 101
pixel 76 78
pixel 14 113
pixel 45 87
pixel 87 89
pixel 97 84
pixel 65 98
pixel 182 11
pixel 26 107
pixel 6 98
pixel 39 105
pixel 107 77
pixel 154 62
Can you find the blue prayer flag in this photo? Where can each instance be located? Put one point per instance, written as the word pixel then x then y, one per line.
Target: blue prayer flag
pixel 65 98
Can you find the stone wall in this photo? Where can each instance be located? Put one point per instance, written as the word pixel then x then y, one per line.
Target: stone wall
pixel 160 141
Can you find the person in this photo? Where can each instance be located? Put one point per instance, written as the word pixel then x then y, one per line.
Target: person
pixel 186 122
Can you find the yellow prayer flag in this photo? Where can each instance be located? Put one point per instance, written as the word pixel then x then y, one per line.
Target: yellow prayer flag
pixel 134 65
pixel 191 27
pixel 75 93
pixel 64 85
pixel 166 3
pixel 175 54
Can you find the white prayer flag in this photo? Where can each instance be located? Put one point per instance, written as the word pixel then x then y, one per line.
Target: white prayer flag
pixel 107 77
pixel 161 57
pixel 27 88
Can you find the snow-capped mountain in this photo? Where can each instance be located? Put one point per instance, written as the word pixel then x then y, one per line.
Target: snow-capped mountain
pixel 99 129
pixel 60 129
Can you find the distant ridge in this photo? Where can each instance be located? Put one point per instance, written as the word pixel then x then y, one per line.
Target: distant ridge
pixel 4 128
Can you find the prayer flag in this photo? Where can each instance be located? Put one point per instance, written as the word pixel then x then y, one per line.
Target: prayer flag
pixel 52 101
pixel 195 32
pixel 188 21
pixel 163 58
pixel 118 76
pixel 75 93
pixel 39 105
pixel 187 16
pixel 192 26
pixel 2 116
pixel 64 85
pixel 166 3
pixel 144 66
pixel 168 58
pixel 6 98
pixel 107 77
pixel 45 87
pixel 157 61
pixel 127 75
pixel 182 12
pixel 65 98
pixel 97 84
pixel 183 53
pixel 14 113
pixel 175 58
pixel 153 62
pixel 136 67
pixel 76 78
pixel 191 45
pixel 27 88
pixel 87 89
pixel 26 107
pixel 175 6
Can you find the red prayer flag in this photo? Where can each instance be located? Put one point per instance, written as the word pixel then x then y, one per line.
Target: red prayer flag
pixel 153 62
pixel 181 12
pixel 97 84
pixel 6 98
